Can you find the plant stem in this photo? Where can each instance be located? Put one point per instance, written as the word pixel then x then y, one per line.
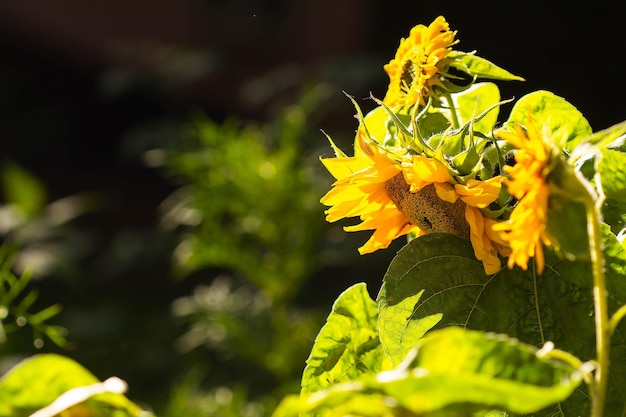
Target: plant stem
pixel 537 309
pixel 603 334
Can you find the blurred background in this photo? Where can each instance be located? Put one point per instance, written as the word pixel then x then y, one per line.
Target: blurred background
pixel 160 174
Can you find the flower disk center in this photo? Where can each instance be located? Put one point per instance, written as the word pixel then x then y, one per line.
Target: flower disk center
pixel 411 67
pixel 426 210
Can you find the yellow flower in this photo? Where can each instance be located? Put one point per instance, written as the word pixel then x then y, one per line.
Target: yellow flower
pixel 418 195
pixel 361 190
pixel 525 230
pixel 418 60
pixel 436 204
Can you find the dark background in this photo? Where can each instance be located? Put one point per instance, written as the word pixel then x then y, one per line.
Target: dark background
pixel 77 77
pixel 87 86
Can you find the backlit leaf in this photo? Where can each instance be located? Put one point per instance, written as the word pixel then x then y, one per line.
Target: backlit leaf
pixel 563 120
pixel 452 283
pixel 348 345
pixel 38 381
pixel 455 372
pixel 480 67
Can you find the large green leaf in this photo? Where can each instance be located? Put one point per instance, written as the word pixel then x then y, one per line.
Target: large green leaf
pixel 348 345
pixel 38 381
pixel 406 289
pixel 455 372
pixel 579 273
pixel 563 120
pixel 452 283
pixel 399 331
pixel 576 329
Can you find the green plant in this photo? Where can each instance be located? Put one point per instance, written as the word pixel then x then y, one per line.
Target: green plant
pixel 248 215
pixel 16 304
pixel 452 331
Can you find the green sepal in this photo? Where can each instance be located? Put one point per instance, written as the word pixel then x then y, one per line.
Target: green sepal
pixel 430 125
pixel 382 129
pixel 406 137
pixel 467 160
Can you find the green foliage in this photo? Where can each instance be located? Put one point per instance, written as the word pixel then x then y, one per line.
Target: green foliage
pixel 250 200
pixel 562 119
pixel 480 67
pixel 567 226
pixel 22 190
pixel 436 281
pixel 189 399
pixel 612 174
pixel 611 137
pixel 248 211
pixel 235 319
pixel 16 305
pixel 459 342
pixel 348 345
pixel 479 98
pixel 450 372
pixel 38 381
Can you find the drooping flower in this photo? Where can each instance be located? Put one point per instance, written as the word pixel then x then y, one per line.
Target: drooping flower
pixel 463 201
pixel 361 190
pixel 417 196
pixel 418 63
pixel 525 230
pixel 437 203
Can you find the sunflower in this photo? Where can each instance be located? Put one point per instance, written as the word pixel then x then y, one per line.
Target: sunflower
pixel 418 60
pixel 525 230
pixel 361 190
pixel 437 203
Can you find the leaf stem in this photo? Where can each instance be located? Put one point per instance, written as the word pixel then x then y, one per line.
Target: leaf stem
pixel 537 309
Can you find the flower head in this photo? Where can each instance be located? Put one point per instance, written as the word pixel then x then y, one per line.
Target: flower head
pixel 525 230
pixel 437 203
pixel 361 190
pixel 417 195
pixel 417 63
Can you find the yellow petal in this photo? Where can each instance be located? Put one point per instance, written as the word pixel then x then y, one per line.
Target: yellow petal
pixel 343 167
pixel 446 192
pixel 484 250
pixel 479 193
